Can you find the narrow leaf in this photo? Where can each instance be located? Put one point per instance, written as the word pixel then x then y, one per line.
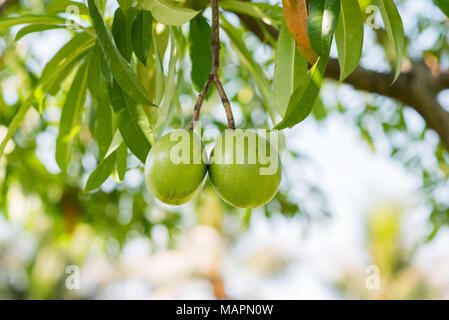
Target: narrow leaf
pixel 121 163
pixel 142 35
pixel 61 6
pixel 303 98
pixel 290 69
pixel 71 118
pixel 104 129
pixel 131 121
pixel 167 12
pixel 6 23
pixel 349 37
pixel 200 51
pixel 96 81
pixel 395 30
pixel 170 86
pixel 101 173
pixel 118 66
pixel 65 69
pixel 35 28
pixel 125 4
pixel 323 18
pixel 121 31
pixel 77 41
pixel 247 8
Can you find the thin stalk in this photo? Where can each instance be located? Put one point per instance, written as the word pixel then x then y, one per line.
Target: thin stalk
pixel 213 76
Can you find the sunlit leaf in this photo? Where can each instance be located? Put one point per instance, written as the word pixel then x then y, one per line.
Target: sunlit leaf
pixel 77 41
pixel 200 51
pixel 167 12
pixel 35 28
pixel 349 37
pixel 104 128
pixel 303 98
pixel 61 6
pixel 393 25
pixel 121 163
pixel 170 85
pixel 6 23
pixel 323 18
pixel 101 173
pixel 71 118
pixel 125 4
pixel 290 69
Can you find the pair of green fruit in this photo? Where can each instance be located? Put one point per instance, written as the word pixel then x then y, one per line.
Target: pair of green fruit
pixel 177 165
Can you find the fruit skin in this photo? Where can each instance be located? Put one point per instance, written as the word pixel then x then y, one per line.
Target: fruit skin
pixel 172 182
pixel 241 184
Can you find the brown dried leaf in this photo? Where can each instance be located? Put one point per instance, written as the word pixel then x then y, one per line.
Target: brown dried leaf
pixel 295 13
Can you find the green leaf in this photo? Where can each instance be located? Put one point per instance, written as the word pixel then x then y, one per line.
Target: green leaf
pixel 79 40
pixel 15 122
pixel 35 28
pixel 142 32
pixel 349 37
pixel 101 173
pixel 125 4
pixel 167 12
pixel 443 5
pixel 321 24
pixel 71 114
pixel 121 163
pixel 6 23
pixel 160 77
pixel 115 144
pixel 119 67
pixel 303 98
pixel 131 121
pixel 60 6
pixel 96 82
pixel 121 31
pixel 248 61
pixel 104 128
pixel 44 83
pixel 395 31
pixel 248 8
pixel 65 69
pixel 170 86
pixel 290 69
pixel 200 51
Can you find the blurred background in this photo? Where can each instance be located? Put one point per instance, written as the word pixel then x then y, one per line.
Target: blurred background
pixel 362 212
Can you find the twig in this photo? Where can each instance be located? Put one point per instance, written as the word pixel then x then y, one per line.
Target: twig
pixel 213 76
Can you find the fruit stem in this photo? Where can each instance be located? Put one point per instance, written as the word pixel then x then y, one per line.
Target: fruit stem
pixel 213 76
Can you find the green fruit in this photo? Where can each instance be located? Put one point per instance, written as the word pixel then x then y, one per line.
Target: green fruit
pixel 176 166
pixel 241 175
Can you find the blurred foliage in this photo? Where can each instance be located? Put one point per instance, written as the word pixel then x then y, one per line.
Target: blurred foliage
pixel 66 224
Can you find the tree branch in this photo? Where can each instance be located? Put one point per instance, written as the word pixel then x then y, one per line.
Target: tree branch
pixel 417 88
pixel 213 76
